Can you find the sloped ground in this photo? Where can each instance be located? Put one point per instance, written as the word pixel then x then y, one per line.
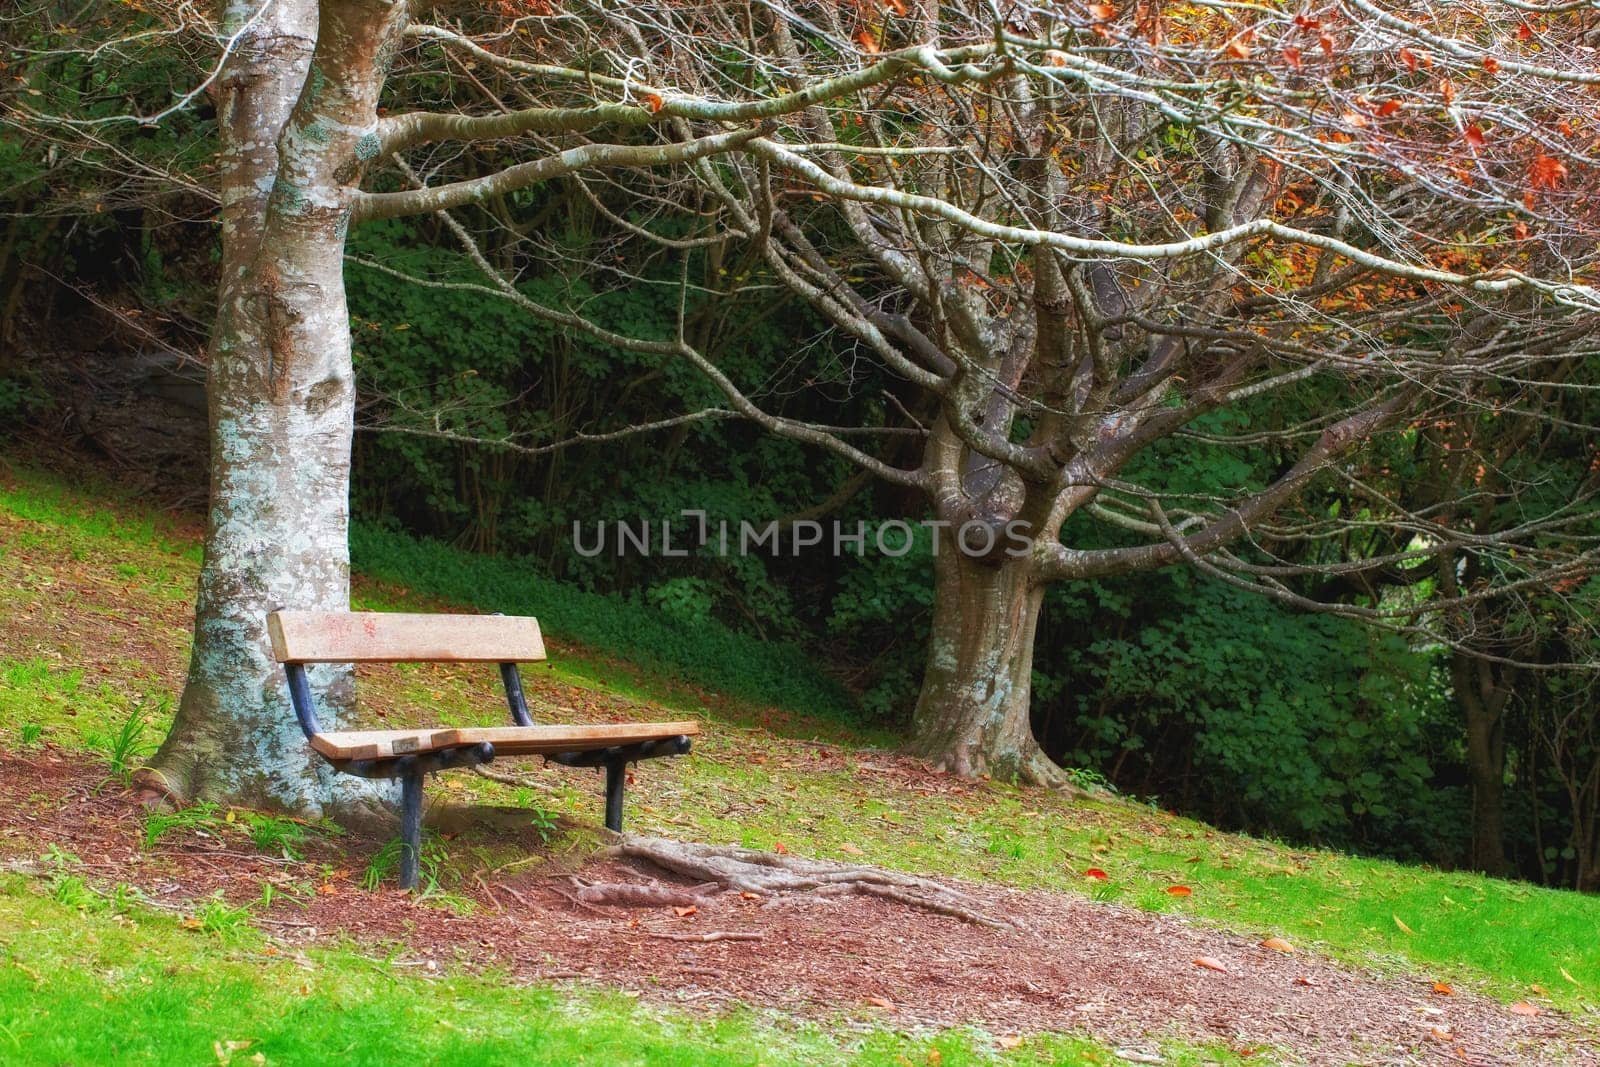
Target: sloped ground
pixel 1065 963
pixel 96 623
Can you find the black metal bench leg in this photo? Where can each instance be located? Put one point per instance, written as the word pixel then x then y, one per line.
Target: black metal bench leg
pixel 616 777
pixel 410 828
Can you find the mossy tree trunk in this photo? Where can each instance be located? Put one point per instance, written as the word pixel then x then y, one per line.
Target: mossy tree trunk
pixel 972 716
pixel 297 113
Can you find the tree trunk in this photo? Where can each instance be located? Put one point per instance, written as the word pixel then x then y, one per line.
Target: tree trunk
pixel 281 392
pixel 972 715
pixel 1483 696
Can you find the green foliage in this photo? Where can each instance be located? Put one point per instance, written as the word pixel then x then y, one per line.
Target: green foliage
pixel 275 833
pixel 203 817
pixel 433 866
pixel 217 917
pixel 125 746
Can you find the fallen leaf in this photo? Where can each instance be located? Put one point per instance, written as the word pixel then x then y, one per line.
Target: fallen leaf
pixel 653 101
pixel 1009 1041
pixel 1096 873
pixel 684 913
pixel 1301 979
pixel 880 1002
pixel 850 849
pixel 868 42
pixel 1180 891
pixel 1277 944
pixel 780 848
pixel 935 1057
pixel 1404 929
pixel 1211 963
pixel 749 896
pixel 1522 1007
pixel 1443 989
pixel 1440 1033
pixel 1568 976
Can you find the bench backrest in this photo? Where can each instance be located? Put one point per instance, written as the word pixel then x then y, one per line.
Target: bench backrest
pixel 393 637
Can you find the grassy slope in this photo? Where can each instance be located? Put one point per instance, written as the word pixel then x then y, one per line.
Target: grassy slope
pixel 750 784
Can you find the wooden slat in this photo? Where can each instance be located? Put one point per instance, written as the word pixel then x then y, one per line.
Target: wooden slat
pixel 393 637
pixel 507 740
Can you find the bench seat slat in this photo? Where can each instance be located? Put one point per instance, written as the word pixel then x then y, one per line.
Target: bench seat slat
pixel 397 637
pixel 507 740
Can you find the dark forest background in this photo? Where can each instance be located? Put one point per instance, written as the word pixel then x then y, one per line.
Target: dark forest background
pixel 1170 686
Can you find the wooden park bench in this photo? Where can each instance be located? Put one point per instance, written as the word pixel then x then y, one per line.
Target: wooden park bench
pixel 302 637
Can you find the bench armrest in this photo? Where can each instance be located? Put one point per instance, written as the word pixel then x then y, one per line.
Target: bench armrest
pixel 305 709
pixel 515 700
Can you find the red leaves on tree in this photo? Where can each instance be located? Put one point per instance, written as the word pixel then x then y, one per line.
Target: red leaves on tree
pixel 1307 22
pixel 1447 89
pixel 1292 57
pixel 1409 58
pixel 1524 31
pixel 1545 172
pixel 1387 108
pixel 1491 64
pixel 1239 46
pixel 1474 135
pixel 1103 12
pixel 868 42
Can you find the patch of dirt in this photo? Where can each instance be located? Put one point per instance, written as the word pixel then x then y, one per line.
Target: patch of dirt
pixel 1058 963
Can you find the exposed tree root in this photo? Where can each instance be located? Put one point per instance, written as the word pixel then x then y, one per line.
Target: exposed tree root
pixel 716 935
pixel 621 894
pixel 1031 767
pixel 749 870
pixel 517 780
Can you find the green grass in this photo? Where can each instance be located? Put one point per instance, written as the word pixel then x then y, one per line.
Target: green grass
pixel 748 784
pixel 1510 939
pixel 706 654
pixel 92 979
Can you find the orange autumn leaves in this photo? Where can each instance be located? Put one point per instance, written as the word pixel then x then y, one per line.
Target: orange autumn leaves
pixel 868 37
pixel 1095 874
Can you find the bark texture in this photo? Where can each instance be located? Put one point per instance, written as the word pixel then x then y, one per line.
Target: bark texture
pixel 972 712
pixel 297 109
